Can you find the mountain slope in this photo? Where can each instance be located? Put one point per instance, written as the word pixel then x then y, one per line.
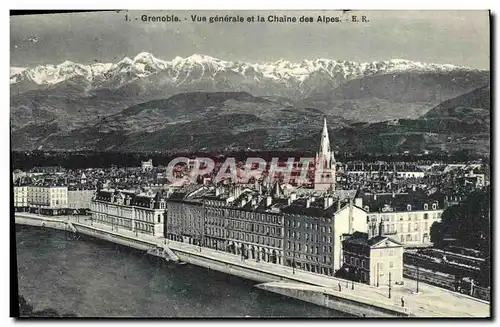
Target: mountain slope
pixel 396 95
pixel 470 106
pixel 461 123
pixel 192 121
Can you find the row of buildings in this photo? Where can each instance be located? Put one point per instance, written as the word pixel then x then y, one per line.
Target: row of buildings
pixel 53 199
pixel 311 233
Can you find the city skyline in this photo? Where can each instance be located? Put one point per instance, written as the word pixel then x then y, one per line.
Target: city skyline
pixel 445 37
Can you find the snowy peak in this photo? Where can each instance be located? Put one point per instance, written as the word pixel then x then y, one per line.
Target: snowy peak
pixel 302 77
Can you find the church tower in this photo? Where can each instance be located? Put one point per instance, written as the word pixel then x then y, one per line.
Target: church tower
pixel 324 177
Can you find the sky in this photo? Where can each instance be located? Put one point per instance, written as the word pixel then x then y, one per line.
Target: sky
pixel 445 37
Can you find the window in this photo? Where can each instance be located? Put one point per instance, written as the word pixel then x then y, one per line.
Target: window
pixel 409 227
pixel 329 230
pixel 357 262
pixel 305 248
pixel 346 259
pixel 426 226
pixel 159 218
pixel 408 207
pixel 391 264
pixel 408 237
pixel 416 226
pixel 426 206
pixel 363 264
pixel 434 206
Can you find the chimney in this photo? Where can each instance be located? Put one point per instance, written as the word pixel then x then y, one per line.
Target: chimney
pixel 269 200
pixel 414 187
pixel 243 202
pixel 313 198
pixel 393 195
pixel 293 196
pixel 350 216
pixel 217 191
pixel 358 202
pixel 308 203
pixel 381 228
pixel 374 196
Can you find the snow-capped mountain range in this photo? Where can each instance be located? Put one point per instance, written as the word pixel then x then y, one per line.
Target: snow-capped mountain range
pixel 205 73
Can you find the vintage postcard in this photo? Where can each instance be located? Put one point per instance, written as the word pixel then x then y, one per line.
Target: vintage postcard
pixel 251 164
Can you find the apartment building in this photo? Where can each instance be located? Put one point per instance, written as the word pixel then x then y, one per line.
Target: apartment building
pixel 405 217
pixel 137 212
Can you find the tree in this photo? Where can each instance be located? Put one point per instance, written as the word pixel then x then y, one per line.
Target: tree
pixel 437 234
pixel 468 222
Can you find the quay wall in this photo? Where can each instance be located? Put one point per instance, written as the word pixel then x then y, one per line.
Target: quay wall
pixel 334 302
pixel 48 222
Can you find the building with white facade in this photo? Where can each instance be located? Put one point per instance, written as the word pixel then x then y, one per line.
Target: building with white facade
pixel 48 199
pixel 20 197
pixel 405 217
pixel 137 212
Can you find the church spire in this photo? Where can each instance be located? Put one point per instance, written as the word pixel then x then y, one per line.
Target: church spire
pixel 324 179
pixel 325 153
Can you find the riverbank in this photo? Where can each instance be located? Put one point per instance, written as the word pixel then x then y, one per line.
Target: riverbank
pixel 363 300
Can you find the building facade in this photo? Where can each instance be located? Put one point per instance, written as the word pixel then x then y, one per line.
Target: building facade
pixel 20 198
pixel 140 213
pixel 402 217
pixel 314 229
pixel 185 218
pixel 376 261
pixel 80 199
pixel 48 199
pixel 255 227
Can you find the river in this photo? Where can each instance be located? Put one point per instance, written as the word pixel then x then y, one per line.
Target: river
pixel 93 278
